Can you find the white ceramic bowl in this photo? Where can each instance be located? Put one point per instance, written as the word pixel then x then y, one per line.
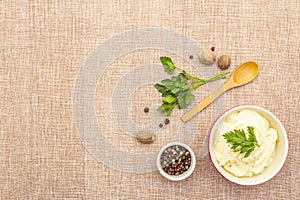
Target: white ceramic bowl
pixel 183 175
pixel 280 154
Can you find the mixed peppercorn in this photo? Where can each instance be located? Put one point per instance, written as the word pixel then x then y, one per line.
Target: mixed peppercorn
pixel 175 160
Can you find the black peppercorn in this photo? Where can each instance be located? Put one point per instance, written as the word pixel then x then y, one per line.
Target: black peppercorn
pixel 146 109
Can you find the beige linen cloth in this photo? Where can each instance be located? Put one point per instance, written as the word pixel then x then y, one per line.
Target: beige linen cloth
pixel 43 45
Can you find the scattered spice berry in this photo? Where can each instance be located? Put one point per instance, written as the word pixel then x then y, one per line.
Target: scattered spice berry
pixel 224 62
pixel 145 137
pixel 167 121
pixel 191 56
pixel 175 160
pixel 160 125
pixel 212 48
pixel 207 56
pixel 146 109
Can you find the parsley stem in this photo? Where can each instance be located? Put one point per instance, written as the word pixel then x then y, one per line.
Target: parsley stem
pixel 195 86
pixel 197 82
pixel 178 68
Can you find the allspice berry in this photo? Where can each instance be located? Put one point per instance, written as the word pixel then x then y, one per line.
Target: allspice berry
pixel 224 62
pixel 207 56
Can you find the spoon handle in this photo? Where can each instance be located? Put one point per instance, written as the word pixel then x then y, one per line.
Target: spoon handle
pixel 203 104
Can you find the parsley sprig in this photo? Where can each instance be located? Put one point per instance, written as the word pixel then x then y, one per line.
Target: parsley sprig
pixel 178 90
pixel 240 143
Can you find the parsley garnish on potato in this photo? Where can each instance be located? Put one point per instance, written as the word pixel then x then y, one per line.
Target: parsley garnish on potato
pixel 240 142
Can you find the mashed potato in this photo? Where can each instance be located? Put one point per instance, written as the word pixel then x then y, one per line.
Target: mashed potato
pixel 259 159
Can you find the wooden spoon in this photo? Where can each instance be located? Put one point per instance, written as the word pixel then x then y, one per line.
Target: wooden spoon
pixel 242 75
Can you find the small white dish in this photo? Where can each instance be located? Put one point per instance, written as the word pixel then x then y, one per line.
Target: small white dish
pixel 280 154
pixel 185 174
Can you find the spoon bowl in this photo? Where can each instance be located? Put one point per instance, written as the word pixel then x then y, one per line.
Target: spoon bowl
pixel 242 75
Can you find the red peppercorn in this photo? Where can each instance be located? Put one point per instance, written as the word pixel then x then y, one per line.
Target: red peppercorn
pixel 212 48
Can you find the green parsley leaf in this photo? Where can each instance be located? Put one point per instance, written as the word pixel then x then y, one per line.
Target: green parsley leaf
pixel 168 64
pixel 166 108
pixel 169 83
pixel 175 90
pixel 160 88
pixel 240 142
pixel 184 99
pixel 169 99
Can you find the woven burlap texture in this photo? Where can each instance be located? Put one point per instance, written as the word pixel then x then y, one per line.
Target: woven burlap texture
pixel 42 48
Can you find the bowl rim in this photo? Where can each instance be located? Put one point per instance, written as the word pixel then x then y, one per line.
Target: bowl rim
pixel 284 135
pixel 181 176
